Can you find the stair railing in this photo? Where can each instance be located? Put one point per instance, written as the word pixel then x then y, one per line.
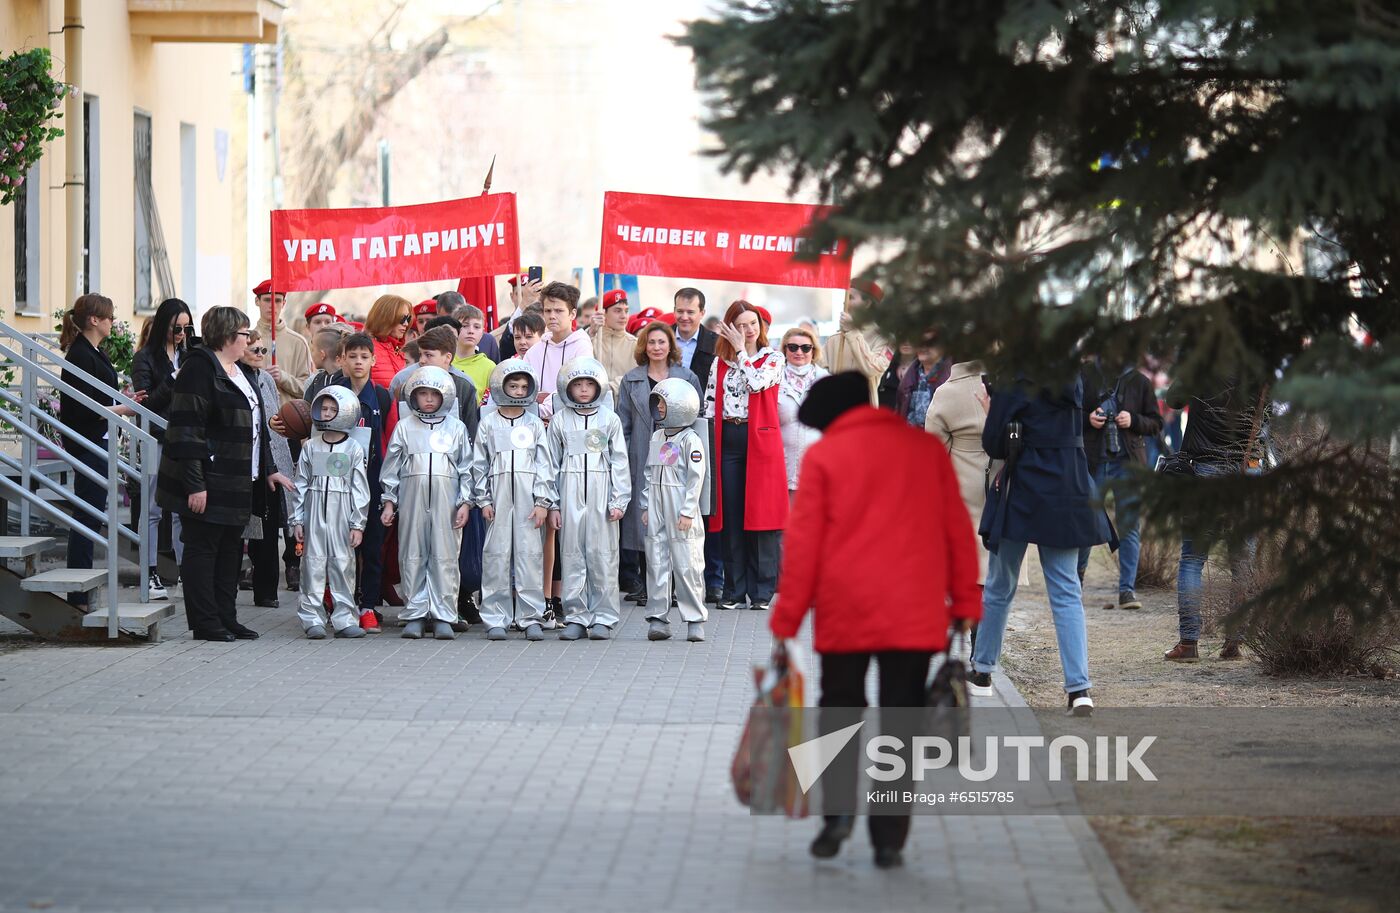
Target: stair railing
pixel 36 362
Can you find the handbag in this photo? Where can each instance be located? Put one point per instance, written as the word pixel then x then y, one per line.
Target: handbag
pixel 947 700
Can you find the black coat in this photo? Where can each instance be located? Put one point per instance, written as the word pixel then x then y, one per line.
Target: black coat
pixel 1049 501
pixel 209 443
pixel 83 421
pixel 704 358
pixel 153 372
pixel 1134 394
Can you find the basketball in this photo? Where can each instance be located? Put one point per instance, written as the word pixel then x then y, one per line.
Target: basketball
pixel 296 418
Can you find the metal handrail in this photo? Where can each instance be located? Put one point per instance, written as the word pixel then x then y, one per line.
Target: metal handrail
pixel 53 486
pixel 28 361
pixel 89 446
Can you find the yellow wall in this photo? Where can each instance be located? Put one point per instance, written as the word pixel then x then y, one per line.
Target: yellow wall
pixel 174 84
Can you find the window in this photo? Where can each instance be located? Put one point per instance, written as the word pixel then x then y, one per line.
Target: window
pixel 92 218
pixel 26 207
pixel 145 201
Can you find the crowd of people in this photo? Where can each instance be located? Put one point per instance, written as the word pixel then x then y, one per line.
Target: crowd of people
pixel 531 477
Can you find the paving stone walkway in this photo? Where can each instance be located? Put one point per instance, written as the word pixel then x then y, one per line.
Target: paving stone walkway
pixel 385 774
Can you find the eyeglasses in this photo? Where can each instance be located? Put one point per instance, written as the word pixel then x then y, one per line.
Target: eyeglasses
pixel 795 347
pixel 246 334
pixel 405 320
pixel 181 331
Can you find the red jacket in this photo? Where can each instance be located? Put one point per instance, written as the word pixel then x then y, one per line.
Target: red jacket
pixel 388 361
pixel 879 543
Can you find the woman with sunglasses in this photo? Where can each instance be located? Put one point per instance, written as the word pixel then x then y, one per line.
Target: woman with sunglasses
pixel 387 322
pixel 263 552
pixel 802 352
pixel 153 370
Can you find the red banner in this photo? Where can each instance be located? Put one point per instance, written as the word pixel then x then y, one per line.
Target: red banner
pixel 691 238
pixel 314 249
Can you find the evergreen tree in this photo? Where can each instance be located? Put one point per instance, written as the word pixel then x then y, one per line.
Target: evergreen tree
pixel 1213 182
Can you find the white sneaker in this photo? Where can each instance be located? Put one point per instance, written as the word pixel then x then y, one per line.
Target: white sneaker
pixel 980 683
pixel 1080 704
pixel 157 587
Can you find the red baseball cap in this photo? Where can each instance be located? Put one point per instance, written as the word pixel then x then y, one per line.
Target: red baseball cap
pixel 263 288
pixel 316 310
pixel 425 307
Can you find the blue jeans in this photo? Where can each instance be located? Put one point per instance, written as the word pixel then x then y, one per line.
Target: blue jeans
pixel 1066 605
pixel 1125 521
pixel 1194 553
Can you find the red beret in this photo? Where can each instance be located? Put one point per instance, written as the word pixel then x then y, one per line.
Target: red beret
pixel 340 319
pixel 515 280
pixel 360 327
pixel 425 307
pixel 668 318
pixel 263 287
pixel 642 318
pixel 870 288
pixel 318 309
pixel 616 296
pixel 763 314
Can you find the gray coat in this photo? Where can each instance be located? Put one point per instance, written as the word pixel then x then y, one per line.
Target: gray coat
pixel 634 408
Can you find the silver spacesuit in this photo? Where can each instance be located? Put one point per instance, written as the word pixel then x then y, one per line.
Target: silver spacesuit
pixel 505 457
pixel 675 478
pixel 427 475
pixel 329 499
pixel 587 477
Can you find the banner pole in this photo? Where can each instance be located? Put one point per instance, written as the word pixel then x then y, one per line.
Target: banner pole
pixel 271 293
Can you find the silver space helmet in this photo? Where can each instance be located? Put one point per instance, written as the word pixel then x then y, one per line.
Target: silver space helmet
pixel 347 414
pixel 587 367
pixel 497 382
pixel 396 384
pixel 682 403
pixel 431 377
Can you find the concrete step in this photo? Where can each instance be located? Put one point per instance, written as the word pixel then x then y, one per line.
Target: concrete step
pixel 66 580
pixel 140 617
pixel 24 546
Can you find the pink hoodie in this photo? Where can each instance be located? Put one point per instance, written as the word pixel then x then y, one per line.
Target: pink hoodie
pixel 548 356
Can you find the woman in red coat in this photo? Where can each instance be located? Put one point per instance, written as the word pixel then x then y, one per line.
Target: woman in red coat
pixel 388 322
pixel 751 501
pixel 881 549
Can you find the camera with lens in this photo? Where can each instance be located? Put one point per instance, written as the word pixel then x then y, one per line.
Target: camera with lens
pixel 1112 437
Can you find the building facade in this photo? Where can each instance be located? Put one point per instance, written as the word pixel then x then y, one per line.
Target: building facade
pixel 156 82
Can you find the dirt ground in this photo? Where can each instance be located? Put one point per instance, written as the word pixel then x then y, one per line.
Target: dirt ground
pixel 1175 865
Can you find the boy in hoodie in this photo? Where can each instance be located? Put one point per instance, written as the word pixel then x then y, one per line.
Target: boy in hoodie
pixel 587 486
pixel 561 344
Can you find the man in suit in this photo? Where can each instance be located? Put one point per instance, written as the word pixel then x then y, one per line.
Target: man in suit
pixel 697 346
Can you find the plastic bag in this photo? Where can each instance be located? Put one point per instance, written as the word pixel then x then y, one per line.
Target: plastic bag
pixel 763 778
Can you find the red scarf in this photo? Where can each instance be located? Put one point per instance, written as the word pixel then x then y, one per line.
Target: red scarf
pixel 765 471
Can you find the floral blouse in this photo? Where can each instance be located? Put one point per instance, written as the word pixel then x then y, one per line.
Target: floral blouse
pixel 751 374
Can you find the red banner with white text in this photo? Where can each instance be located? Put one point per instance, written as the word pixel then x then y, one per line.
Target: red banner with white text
pixel 314 249
pixel 687 237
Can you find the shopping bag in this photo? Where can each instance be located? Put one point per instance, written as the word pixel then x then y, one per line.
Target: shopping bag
pixel 763 778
